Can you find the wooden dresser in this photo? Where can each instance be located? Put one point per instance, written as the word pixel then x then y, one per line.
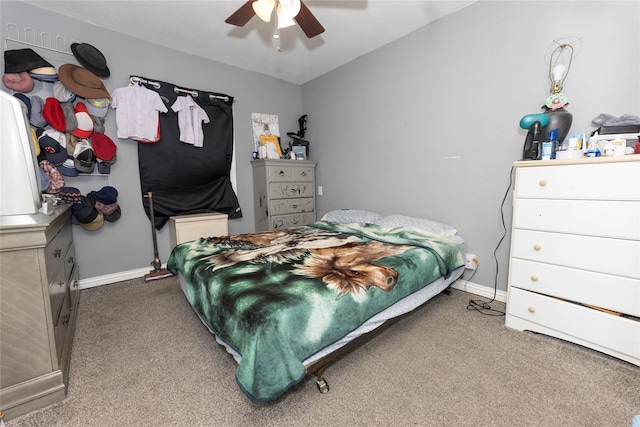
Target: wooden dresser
pixel 283 193
pixel 38 308
pixel 575 252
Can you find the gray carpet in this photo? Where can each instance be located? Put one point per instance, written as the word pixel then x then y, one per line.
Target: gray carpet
pixel 141 357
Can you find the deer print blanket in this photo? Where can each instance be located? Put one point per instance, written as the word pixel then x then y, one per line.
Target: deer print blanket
pixel 279 297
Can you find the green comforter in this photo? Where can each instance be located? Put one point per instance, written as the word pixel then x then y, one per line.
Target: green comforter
pixel 279 297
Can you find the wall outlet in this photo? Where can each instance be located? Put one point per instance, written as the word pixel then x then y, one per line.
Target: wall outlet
pixel 319 190
pixel 470 261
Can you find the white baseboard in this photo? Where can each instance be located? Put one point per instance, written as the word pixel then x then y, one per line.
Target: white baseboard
pixel 92 282
pixel 108 279
pixel 483 291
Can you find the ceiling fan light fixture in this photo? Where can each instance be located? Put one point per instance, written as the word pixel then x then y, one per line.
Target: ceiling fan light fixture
pixel 285 22
pixel 264 9
pixel 288 9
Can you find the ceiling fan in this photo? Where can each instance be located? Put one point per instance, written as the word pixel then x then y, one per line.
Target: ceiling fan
pixel 286 12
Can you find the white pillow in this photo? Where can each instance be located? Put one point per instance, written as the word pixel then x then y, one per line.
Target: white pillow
pixel 350 216
pixel 425 224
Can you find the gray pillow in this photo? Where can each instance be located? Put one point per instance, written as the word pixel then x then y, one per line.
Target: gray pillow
pixel 425 224
pixel 350 216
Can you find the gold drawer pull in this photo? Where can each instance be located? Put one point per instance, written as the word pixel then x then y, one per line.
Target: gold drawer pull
pixel 532 309
pixel 543 182
pixel 537 247
pixel 281 173
pixel 534 278
pixel 304 173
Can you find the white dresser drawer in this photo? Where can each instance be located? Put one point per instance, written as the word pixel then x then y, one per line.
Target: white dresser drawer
pixel 605 181
pixel 610 292
pixel 289 206
pixel 599 330
pixel 288 190
pixel 619 219
pixel 612 256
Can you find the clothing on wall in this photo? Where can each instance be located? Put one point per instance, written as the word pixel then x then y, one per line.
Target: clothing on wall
pixel 137 112
pixel 190 119
pixel 186 178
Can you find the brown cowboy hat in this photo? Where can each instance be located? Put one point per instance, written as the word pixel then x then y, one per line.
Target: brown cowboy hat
pixel 82 82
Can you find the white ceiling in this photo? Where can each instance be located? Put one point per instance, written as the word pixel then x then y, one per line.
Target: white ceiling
pixel 352 29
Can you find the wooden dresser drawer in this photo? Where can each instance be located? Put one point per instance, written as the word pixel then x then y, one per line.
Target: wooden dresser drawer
pixel 287 221
pixel 281 190
pixel 604 181
pixel 58 288
pixel 290 173
pixel 606 291
pixel 61 325
pixel 611 256
pixel 289 206
pixel 303 173
pixel 279 173
pixel 56 250
pixel 596 329
pixel 69 262
pixel 619 219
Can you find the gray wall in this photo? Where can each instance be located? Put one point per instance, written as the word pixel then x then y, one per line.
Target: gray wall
pixel 429 125
pixel 127 244
pixel 425 126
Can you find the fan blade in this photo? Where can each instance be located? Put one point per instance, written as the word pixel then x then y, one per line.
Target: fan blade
pixel 309 24
pixel 241 16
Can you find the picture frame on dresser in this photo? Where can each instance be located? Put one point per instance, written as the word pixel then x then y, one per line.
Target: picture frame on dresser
pixel 300 152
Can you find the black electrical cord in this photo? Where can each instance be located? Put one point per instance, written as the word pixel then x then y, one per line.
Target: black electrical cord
pixel 481 306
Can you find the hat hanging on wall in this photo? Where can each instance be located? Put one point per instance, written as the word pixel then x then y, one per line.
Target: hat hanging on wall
pixel 53 114
pixel 61 93
pixel 37 104
pixel 91 59
pixel 45 74
pixel 82 82
pixel 18 82
pixel 85 123
pixel 18 60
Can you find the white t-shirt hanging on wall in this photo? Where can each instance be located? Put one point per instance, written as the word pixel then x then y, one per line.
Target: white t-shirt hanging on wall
pixel 190 119
pixel 137 110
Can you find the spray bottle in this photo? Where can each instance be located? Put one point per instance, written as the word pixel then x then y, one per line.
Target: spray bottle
pixel 550 147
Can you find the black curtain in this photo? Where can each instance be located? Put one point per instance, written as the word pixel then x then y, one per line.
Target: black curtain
pixel 185 179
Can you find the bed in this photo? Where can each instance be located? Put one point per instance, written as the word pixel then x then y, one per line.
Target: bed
pixel 284 303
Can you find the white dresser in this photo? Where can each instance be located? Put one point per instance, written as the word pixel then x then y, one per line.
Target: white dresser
pixel 283 193
pixel 38 308
pixel 574 270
